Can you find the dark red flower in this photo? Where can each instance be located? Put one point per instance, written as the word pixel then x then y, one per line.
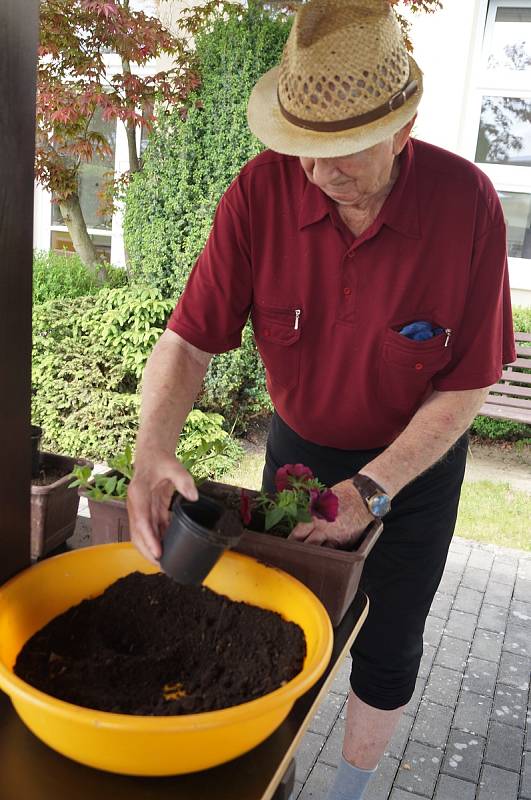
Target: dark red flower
pixel 284 473
pixel 324 505
pixel 245 507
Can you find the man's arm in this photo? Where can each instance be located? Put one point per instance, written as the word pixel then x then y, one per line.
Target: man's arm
pixel 171 382
pixel 438 423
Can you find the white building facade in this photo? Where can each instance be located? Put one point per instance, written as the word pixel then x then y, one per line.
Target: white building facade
pixel 476 59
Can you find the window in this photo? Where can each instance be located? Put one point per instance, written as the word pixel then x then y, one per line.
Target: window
pixel 499 137
pixel 92 178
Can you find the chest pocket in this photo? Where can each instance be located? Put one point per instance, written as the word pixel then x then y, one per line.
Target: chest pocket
pixel 407 368
pixel 277 333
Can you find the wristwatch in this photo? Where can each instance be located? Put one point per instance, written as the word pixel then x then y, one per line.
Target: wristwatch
pixel 376 499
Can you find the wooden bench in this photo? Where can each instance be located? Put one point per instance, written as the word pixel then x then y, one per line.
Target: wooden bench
pixel 511 397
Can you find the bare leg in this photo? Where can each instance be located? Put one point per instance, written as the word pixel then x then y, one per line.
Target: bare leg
pixel 367 732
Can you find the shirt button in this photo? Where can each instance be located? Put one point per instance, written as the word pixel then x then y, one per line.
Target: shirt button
pixel 419 365
pixel 347 290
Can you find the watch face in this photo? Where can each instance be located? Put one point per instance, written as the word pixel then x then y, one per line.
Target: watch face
pixel 379 504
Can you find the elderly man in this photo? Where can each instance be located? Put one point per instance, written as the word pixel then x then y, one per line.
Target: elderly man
pixel 374 270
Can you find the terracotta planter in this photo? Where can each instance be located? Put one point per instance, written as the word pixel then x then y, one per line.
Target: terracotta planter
pixel 333 575
pixel 54 506
pixel 109 519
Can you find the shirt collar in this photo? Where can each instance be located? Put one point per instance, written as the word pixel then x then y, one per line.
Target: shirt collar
pixel 399 212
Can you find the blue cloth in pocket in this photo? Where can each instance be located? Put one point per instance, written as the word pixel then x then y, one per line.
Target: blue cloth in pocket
pixel 420 331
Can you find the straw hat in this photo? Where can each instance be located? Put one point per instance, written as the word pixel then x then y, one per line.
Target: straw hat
pixel 345 82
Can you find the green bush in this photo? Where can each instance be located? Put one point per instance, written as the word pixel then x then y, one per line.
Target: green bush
pixel 501 428
pixel 189 163
pixel 88 357
pixel 63 275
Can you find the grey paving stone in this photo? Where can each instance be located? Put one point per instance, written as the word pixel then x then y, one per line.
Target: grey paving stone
pixel 452 653
pixel 475 578
pixel 456 561
pixel 460 545
pixel 297 787
pixel 524 567
pixel 463 755
pixel 525 788
pixel 419 769
pixel 487 645
pixel 520 613
pixel 449 788
pixel 400 794
pixel 307 753
pixel 441 605
pixel 481 559
pixel 517 639
pixel 468 600
pixel 433 630
pixel 498 594
pixel 522 589
pixel 426 661
pixel 504 746
pixel 472 713
pixel 503 572
pixel 382 781
pixel 443 686
pixel 514 671
pixel 449 583
pixel 497 784
pixel 318 784
pixel 331 752
pixel 509 706
pixel 399 740
pixel 341 683
pixel 492 618
pixel 412 706
pixel 432 724
pixel 327 713
pixel 480 676
pixel 461 625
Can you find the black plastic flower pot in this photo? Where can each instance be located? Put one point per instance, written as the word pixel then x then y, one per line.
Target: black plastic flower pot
pixel 196 537
pixel 36 435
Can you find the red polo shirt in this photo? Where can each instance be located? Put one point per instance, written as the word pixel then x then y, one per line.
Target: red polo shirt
pixel 326 306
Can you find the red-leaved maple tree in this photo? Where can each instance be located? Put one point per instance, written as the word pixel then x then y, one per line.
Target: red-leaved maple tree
pixel 74 83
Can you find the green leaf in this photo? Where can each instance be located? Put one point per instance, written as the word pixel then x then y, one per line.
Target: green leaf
pixel 273 517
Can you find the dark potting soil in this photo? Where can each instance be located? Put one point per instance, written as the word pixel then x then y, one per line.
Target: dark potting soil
pixel 48 476
pixel 151 646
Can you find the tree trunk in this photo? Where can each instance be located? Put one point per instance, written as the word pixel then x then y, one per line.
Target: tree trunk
pixel 134 161
pixel 83 244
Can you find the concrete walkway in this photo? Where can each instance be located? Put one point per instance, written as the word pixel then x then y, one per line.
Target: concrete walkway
pixel 466 734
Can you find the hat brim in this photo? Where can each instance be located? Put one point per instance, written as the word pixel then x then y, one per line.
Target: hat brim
pixel 267 122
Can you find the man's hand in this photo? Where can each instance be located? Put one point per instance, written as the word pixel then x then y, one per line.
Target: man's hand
pixel 352 519
pixel 148 500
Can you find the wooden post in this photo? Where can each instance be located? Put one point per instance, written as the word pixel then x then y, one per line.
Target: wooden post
pixel 19 25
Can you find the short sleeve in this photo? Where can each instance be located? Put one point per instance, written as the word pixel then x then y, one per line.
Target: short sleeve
pixel 216 301
pixel 484 340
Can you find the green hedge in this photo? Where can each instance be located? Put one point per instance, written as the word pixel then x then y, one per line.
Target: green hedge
pixel 500 428
pixel 63 275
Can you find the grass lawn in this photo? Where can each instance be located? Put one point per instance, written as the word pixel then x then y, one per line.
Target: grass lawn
pixel 489 512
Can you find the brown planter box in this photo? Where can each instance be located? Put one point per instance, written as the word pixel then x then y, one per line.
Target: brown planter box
pixel 333 575
pixel 108 518
pixel 54 507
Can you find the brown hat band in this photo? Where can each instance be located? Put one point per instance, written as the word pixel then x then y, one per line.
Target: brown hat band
pixel 357 121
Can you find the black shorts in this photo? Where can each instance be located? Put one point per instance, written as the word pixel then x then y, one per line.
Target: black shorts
pixel 404 568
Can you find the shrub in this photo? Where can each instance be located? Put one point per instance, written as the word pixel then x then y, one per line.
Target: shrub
pixel 189 163
pixel 63 275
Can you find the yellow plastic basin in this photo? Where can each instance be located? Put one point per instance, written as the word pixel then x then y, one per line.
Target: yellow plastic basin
pixel 151 745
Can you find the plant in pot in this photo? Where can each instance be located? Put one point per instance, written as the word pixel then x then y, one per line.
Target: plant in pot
pixel 54 504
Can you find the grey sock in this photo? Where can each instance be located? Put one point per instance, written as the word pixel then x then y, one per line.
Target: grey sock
pixel 350 782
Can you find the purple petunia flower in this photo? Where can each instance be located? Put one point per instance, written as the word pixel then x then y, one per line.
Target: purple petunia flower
pixel 324 505
pixel 284 473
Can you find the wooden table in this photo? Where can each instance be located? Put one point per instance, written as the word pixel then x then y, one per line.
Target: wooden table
pixel 29 770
